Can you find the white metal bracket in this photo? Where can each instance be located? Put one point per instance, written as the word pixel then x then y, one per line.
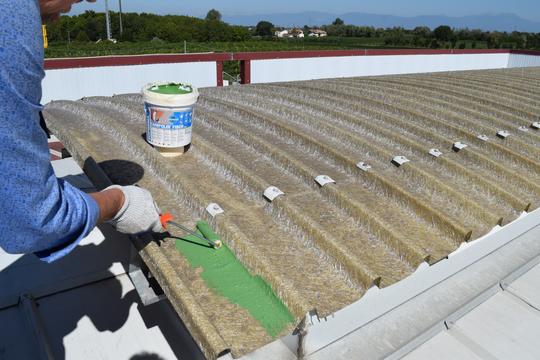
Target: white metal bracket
pixel 435 152
pixel 523 128
pixel 536 125
pixel 459 146
pixel 214 209
pixel 400 160
pixel 272 192
pixel 363 166
pixel 482 137
pixel 324 179
pixel 503 134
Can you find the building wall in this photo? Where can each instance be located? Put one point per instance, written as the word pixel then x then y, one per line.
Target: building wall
pixel 264 71
pixel 71 79
pixel 519 60
pixel 75 83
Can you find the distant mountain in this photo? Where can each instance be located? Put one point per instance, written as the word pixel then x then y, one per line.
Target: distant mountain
pixel 499 22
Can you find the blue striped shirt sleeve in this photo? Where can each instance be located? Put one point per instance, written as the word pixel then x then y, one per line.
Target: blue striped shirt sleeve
pixel 38 212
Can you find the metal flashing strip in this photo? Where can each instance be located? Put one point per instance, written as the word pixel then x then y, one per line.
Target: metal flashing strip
pixel 35 323
pixel 451 320
pixel 460 335
pixel 523 301
pixel 321 333
pixel 419 340
pixel 519 272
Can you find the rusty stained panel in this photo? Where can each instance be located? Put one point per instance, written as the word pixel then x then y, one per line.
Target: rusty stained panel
pixel 320 248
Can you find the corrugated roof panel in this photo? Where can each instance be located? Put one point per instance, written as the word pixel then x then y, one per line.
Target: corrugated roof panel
pixel 322 247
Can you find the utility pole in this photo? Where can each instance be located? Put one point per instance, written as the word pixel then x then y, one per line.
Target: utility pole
pixel 108 20
pixel 121 26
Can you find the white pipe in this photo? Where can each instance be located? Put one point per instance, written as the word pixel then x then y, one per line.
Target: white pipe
pixel 108 20
pixel 120 11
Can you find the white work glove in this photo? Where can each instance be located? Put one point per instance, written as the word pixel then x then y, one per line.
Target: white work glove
pixel 139 214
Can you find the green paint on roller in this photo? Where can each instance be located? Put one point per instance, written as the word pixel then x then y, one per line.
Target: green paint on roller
pixel 223 273
pixel 207 231
pixel 172 89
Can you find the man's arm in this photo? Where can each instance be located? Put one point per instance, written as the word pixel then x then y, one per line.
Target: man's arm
pixel 38 212
pixel 110 202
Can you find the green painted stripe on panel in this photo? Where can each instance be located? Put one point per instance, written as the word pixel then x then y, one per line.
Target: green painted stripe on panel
pixel 223 273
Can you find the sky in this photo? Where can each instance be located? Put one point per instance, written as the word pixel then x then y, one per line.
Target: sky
pixel 527 9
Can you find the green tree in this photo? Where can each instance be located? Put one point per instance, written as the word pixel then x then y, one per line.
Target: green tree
pixel 264 28
pixel 494 40
pixel 82 37
pixel 443 33
pixel 338 21
pixel 213 15
pixel 422 31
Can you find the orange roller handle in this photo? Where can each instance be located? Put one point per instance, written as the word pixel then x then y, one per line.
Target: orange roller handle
pixel 165 219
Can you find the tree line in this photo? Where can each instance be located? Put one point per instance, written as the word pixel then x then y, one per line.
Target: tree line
pixel 90 26
pixel 442 36
pixel 144 27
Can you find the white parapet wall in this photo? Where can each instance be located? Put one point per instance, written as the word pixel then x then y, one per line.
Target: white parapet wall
pixel 76 83
pixel 265 71
pixel 519 60
pixel 72 79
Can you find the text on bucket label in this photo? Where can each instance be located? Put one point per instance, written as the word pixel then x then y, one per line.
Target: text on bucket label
pixel 168 127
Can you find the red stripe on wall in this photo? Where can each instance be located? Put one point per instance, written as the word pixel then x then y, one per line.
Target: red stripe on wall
pixel 367 52
pixel 69 63
pixel 526 52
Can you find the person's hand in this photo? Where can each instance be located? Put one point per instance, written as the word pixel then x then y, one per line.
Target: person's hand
pixel 138 214
pixel 51 9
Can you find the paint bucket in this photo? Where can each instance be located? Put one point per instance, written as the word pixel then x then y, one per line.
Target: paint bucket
pixel 169 116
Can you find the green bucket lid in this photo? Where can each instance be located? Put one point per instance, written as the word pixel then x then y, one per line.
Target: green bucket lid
pixel 172 89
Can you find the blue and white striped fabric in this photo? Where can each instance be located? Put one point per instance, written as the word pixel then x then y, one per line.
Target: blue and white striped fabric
pixel 38 212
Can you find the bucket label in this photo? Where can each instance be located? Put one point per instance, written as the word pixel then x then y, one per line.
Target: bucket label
pixel 168 127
